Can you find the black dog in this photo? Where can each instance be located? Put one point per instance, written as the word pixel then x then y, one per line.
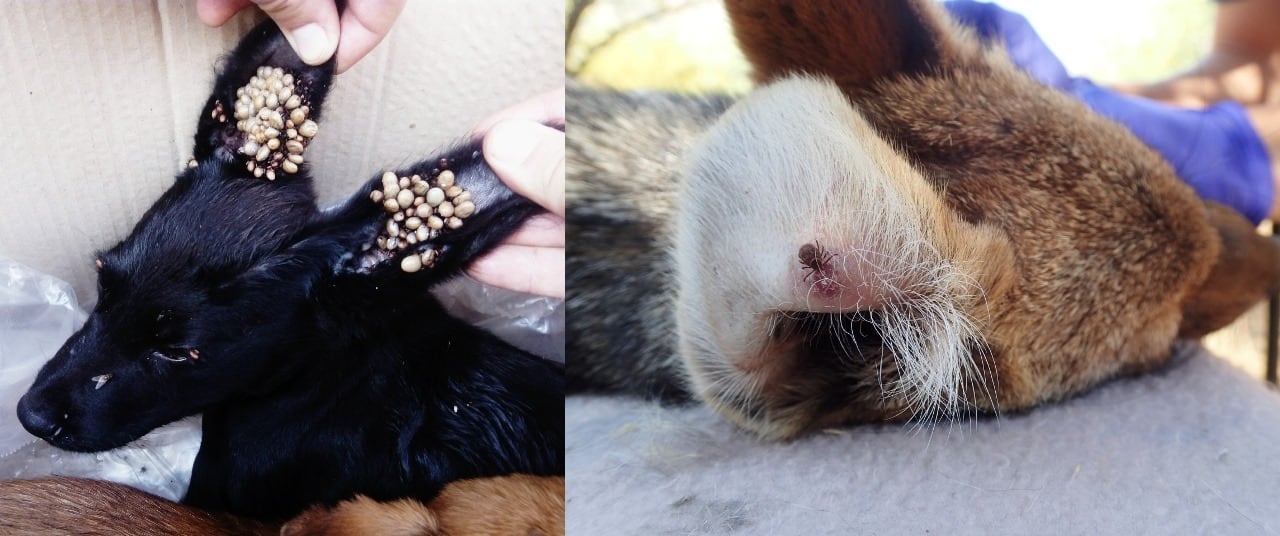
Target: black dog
pixel 323 368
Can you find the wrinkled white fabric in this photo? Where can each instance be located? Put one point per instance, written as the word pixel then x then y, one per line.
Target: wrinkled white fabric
pixel 1190 449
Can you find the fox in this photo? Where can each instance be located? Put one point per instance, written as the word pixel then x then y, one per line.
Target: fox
pixel 894 225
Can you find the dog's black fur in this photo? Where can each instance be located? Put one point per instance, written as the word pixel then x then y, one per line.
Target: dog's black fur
pixel 319 376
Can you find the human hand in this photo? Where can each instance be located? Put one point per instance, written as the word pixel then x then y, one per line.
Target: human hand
pixel 313 27
pixel 529 158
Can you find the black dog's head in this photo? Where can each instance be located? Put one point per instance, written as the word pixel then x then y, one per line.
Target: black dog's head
pixel 197 302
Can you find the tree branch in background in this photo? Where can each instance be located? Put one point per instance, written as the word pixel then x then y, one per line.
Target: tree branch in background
pixel 624 28
pixel 571 22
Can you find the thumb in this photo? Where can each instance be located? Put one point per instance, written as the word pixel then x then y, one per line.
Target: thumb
pixel 311 26
pixel 529 158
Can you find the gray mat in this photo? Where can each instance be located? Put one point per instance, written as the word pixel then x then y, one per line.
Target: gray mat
pixel 1191 449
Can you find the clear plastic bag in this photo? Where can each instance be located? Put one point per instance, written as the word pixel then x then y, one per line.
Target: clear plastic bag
pixel 37 313
pixel 534 324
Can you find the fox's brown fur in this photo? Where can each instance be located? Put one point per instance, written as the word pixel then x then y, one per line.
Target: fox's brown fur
pixel 1007 246
pixel 66 505
pixel 514 504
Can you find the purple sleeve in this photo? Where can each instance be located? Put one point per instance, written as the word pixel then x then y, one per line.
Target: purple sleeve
pixel 1025 48
pixel 1215 150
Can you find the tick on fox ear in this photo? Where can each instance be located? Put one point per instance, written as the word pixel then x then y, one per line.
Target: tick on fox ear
pixel 814 258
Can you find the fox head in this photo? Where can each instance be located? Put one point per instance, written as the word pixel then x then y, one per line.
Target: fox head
pixel 898 224
pixel 217 292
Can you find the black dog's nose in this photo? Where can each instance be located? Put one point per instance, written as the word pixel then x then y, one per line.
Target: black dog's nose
pixel 42 422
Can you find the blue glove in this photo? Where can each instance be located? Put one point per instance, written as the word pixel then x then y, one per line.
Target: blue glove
pixel 1215 150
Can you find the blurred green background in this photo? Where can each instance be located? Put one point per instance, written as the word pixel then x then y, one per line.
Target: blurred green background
pixel 687 45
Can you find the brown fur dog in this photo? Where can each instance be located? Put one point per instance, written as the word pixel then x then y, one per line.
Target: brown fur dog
pixel 895 224
pixel 514 504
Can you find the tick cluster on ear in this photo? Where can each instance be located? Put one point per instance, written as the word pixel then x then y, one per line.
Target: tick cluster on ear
pixel 273 115
pixel 419 209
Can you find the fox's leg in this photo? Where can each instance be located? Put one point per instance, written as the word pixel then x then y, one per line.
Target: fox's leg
pixel 1247 270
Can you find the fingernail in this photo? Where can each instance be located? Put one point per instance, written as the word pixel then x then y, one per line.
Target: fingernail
pixel 312 44
pixel 512 142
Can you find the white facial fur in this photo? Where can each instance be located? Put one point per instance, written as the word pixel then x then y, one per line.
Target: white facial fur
pixel 792 164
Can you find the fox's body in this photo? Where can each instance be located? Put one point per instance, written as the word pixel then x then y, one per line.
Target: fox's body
pixel 625 153
pixel 988 243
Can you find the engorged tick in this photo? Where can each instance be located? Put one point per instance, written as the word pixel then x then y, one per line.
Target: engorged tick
pixel 814 258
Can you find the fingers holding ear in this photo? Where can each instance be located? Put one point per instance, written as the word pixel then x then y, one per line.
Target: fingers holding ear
pixel 529 157
pixel 530 260
pixel 547 107
pixel 310 26
pixel 314 28
pixel 534 270
pixel 364 24
pixel 217 12
pixel 543 230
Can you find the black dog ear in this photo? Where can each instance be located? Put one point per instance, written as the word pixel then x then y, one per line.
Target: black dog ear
pixel 404 229
pixel 264 108
pixel 427 222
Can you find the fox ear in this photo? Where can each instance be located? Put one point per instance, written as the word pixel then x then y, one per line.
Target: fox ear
pixel 1248 270
pixel 264 107
pixel 854 42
